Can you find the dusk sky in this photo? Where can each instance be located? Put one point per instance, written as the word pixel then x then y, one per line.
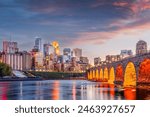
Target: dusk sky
pixel 99 27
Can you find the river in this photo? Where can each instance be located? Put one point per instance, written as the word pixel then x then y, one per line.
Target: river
pixel 68 90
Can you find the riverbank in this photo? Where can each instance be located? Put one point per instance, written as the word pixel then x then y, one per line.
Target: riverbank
pixel 34 76
pixel 59 75
pixel 20 79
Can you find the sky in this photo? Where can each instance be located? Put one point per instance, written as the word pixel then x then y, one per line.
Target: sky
pixel 99 27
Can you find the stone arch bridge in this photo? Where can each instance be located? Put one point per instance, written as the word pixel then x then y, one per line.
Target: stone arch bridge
pixel 127 72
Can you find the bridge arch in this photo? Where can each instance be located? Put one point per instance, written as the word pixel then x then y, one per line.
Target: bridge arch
pixel 119 73
pixel 144 71
pixel 93 74
pixel 101 74
pixel 130 75
pixel 97 74
pixel 106 73
pixel 111 75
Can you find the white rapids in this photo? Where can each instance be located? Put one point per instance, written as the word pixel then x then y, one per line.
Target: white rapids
pixel 19 74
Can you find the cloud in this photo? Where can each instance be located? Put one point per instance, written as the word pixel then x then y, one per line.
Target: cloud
pixel 123 28
pixel 50 6
pixel 76 21
pixel 93 37
pixel 135 6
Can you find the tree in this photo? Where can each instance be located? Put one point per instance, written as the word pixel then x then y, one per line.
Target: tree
pixel 5 70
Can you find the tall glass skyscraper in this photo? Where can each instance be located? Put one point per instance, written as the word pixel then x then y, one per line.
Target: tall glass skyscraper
pixel 38 44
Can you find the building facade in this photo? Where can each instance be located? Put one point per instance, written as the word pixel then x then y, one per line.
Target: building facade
pixel 97 61
pixel 77 53
pixel 38 44
pixel 84 60
pixel 17 61
pixel 112 58
pixel 10 47
pixel 46 49
pixel 141 47
pixel 126 53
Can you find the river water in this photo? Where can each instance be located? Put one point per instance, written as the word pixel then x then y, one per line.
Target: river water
pixel 68 90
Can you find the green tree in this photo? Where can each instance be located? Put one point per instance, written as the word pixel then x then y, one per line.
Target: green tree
pixel 5 70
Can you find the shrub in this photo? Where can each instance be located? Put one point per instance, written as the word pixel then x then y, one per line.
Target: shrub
pixel 5 70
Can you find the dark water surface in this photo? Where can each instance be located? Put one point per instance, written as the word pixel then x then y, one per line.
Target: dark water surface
pixel 67 90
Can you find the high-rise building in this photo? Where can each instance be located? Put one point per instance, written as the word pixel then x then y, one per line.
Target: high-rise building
pixel 83 64
pixel 84 60
pixel 38 44
pixel 97 61
pixel 67 54
pixel 38 59
pixel 67 51
pixel 126 53
pixel 141 47
pixel 77 53
pixel 10 47
pixel 46 50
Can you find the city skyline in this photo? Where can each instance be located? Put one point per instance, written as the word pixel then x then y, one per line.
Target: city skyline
pixel 97 27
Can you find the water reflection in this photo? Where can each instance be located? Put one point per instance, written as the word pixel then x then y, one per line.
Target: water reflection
pixel 55 90
pixel 68 90
pixel 3 91
pixel 130 93
pixel 74 91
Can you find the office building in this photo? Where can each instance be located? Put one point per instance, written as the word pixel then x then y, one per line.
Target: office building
pixel 77 53
pixel 126 53
pixel 46 50
pixel 84 60
pixel 67 51
pixel 38 44
pixel 112 58
pixel 141 47
pixel 97 61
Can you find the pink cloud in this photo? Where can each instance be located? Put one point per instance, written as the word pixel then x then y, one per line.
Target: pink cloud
pixel 121 4
pixel 102 37
pixel 93 37
pixel 135 7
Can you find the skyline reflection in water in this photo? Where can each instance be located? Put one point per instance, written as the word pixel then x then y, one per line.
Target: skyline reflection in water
pixel 68 90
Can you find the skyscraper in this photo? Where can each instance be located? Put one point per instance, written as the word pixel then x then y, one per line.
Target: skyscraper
pixel 141 47
pixel 46 49
pixel 67 51
pixel 77 53
pixel 38 44
pixel 67 54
